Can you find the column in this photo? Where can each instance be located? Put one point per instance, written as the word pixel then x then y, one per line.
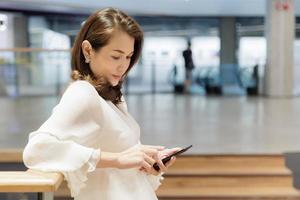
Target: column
pixel 280 33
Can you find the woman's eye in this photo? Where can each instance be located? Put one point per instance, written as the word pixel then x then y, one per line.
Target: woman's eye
pixel 116 57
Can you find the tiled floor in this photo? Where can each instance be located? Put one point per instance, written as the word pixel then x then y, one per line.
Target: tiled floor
pixel 211 124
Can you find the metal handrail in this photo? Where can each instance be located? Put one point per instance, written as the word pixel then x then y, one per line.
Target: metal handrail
pixel 25 49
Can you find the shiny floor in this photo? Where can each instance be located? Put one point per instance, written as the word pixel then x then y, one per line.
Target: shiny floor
pixel 212 124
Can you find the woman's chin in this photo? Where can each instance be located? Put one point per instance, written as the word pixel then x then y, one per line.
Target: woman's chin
pixel 114 83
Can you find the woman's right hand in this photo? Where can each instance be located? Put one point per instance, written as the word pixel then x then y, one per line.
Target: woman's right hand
pixel 139 156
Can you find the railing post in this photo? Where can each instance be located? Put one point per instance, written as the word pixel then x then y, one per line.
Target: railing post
pixel 17 89
pixel 153 78
pixel 45 196
pixel 57 80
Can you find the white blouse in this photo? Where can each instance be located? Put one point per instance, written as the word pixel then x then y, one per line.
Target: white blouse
pixel 81 126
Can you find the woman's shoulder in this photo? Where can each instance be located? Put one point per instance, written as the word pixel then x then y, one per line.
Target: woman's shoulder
pixel 79 91
pixel 79 96
pixel 81 85
pixel 80 88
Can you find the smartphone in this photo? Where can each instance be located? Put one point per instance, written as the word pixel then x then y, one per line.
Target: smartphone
pixel 168 158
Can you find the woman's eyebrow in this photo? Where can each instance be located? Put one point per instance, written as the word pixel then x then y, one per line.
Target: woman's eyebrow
pixel 120 51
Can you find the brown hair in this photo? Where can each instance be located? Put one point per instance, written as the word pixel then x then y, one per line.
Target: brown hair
pixel 98 29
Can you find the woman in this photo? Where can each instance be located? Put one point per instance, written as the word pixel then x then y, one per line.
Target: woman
pixel 90 136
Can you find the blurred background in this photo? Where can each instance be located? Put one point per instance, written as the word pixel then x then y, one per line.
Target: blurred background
pixel 241 98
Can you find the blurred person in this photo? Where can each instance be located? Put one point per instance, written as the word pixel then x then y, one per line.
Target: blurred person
pixel 255 77
pixel 90 136
pixel 189 66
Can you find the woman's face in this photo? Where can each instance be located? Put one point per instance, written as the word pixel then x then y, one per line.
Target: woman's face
pixel 112 60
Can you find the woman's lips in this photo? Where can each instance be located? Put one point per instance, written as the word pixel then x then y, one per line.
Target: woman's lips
pixel 116 76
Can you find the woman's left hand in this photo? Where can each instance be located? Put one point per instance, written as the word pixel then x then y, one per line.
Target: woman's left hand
pixel 162 154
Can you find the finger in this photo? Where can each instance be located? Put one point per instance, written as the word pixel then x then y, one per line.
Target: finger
pixel 149 160
pixel 173 150
pixel 161 165
pixel 163 156
pixel 176 149
pixel 171 162
pixel 154 147
pixel 142 169
pixel 149 151
pixel 146 166
pixel 154 172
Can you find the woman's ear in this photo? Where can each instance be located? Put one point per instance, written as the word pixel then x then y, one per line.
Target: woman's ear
pixel 87 50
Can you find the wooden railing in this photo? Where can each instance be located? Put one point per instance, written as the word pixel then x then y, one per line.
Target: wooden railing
pixel 44 184
pixel 29 181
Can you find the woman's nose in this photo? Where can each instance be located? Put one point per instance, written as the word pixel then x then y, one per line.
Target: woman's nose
pixel 123 66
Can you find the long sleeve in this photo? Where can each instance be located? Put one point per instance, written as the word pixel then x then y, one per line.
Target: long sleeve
pixel 62 143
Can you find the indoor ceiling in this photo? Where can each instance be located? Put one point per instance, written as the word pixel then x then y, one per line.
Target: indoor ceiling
pixel 148 7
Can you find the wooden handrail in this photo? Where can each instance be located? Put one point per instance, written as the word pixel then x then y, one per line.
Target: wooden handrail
pixel 29 181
